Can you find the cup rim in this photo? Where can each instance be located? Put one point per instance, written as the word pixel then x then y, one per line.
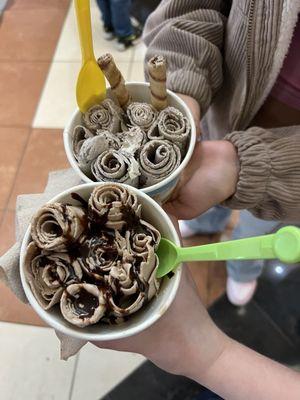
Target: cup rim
pixel 157 186
pixel 82 335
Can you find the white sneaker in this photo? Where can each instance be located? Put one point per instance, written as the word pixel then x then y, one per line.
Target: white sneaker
pixel 185 230
pixel 240 293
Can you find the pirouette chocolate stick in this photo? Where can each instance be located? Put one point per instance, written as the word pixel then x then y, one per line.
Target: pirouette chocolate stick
pixel 115 79
pixel 157 69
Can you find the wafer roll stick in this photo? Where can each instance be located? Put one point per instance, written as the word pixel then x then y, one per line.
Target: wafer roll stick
pixel 115 79
pixel 157 69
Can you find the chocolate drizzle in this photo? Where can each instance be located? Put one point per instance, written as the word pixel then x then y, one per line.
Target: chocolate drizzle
pixel 132 220
pixel 81 200
pixel 84 303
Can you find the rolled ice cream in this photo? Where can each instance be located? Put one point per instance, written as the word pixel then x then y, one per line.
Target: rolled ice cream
pixel 97 261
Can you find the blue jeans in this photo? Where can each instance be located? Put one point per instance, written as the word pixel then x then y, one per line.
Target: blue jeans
pixel 116 16
pixel 216 219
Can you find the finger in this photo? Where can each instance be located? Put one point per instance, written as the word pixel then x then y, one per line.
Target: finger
pixel 198 129
pixel 180 209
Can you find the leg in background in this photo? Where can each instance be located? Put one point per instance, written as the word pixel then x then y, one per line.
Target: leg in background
pixel 242 275
pixel 120 14
pixel 104 6
pixel 212 221
pixel 248 226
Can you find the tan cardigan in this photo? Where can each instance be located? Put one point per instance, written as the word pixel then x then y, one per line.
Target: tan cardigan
pixel 228 58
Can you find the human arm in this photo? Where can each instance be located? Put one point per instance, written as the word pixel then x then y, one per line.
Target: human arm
pixel 185 341
pixel 190 35
pixel 241 373
pixel 257 169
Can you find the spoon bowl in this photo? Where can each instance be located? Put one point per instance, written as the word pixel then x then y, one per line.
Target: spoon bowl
pixel 168 257
pixel 90 84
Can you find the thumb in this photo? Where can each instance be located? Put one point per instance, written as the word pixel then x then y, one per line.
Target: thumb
pixel 180 208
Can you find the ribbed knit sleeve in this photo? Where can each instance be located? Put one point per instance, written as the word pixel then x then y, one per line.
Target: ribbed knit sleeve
pixel 189 33
pixel 269 179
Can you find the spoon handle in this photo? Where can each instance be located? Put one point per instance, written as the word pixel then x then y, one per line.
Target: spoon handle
pixel 83 13
pixel 284 245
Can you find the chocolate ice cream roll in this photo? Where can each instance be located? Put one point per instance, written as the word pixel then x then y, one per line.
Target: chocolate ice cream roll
pixel 98 255
pixel 142 115
pixel 134 283
pixel 56 226
pixel 115 79
pixel 48 274
pixel 83 304
pixel 143 250
pixel 79 136
pixel 107 117
pixel 120 280
pixel 140 243
pixel 114 207
pixel 157 70
pixel 116 166
pixel 91 148
pixel 151 232
pixel 158 159
pixel 173 126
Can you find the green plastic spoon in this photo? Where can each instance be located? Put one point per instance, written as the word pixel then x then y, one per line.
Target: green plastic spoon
pixel 284 245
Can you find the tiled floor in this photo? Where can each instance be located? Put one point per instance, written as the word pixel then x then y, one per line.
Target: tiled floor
pixel 39 62
pixel 105 368
pixel 31 369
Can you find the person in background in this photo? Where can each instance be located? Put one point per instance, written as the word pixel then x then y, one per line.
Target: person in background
pixel 142 10
pixel 117 23
pixel 237 66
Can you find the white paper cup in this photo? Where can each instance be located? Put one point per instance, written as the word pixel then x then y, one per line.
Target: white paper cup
pixel 140 92
pixel 136 323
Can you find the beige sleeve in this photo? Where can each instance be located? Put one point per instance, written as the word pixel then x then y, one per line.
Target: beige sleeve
pixel 189 34
pixel 269 179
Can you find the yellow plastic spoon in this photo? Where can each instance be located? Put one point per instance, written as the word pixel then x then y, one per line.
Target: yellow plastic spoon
pixel 91 88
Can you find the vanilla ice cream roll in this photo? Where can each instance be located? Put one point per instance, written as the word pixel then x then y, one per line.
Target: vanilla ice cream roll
pixel 158 159
pixel 55 226
pixel 115 79
pixel 142 115
pixel 83 304
pixel 116 166
pixel 157 70
pixel 106 116
pixel 48 274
